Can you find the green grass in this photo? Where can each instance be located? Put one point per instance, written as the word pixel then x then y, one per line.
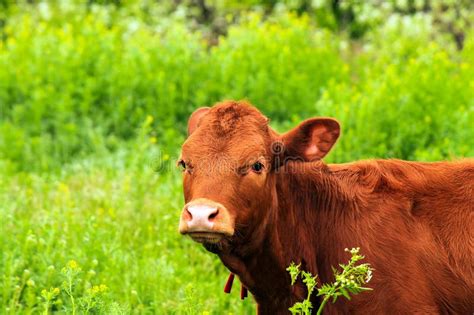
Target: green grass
pixel 117 218
pixel 91 100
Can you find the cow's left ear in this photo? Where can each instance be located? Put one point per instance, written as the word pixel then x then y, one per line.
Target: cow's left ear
pixel 312 139
pixel 195 117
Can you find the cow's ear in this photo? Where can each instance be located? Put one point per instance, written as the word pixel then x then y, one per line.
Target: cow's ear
pixel 312 139
pixel 195 117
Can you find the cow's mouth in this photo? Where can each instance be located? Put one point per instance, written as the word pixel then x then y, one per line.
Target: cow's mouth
pixel 207 237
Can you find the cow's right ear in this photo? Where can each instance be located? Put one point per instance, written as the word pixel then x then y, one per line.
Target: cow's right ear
pixel 195 118
pixel 311 140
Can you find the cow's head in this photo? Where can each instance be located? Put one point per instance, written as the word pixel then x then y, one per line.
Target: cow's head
pixel 229 162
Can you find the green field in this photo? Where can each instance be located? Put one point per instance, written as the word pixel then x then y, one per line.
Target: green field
pixel 94 101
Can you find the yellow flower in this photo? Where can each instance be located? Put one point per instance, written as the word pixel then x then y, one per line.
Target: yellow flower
pixel 72 264
pixel 11 41
pixel 63 188
pixel 94 289
pixel 149 120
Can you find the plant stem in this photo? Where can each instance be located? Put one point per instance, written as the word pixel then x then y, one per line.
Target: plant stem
pixel 72 297
pixel 46 308
pixel 320 309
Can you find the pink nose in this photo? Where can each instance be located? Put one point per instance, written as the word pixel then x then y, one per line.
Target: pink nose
pixel 200 217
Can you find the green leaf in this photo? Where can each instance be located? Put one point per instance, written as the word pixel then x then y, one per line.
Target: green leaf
pixel 294 271
pixel 345 294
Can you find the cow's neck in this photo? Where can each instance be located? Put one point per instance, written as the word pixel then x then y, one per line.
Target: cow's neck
pixel 306 198
pixel 313 207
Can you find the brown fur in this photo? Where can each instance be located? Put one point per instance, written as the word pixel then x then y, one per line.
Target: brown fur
pixel 413 221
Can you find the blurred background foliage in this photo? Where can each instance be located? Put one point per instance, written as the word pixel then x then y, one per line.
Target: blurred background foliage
pixel 78 78
pixel 94 95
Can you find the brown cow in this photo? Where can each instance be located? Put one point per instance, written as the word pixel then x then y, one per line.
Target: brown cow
pixel 261 200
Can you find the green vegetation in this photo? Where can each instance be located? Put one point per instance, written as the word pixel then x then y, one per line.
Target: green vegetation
pixel 117 219
pixel 93 107
pixel 350 280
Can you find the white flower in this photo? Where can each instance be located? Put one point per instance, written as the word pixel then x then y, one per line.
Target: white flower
pixel 369 275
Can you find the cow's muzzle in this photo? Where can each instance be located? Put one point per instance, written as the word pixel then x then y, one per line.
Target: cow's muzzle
pixel 206 221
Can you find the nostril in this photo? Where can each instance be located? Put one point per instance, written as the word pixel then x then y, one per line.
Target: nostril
pixel 200 214
pixel 213 215
pixel 188 215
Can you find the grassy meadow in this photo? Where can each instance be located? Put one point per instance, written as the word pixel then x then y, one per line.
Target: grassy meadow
pixel 93 108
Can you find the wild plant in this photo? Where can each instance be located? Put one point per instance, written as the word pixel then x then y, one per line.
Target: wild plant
pixel 350 280
pixel 70 272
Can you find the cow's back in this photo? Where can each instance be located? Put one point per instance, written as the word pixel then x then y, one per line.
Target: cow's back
pixel 435 202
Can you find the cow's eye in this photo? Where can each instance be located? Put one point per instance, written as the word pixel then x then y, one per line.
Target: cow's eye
pixel 257 167
pixel 182 165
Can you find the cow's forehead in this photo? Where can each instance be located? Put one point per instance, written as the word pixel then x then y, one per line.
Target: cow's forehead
pixel 230 130
pixel 234 146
